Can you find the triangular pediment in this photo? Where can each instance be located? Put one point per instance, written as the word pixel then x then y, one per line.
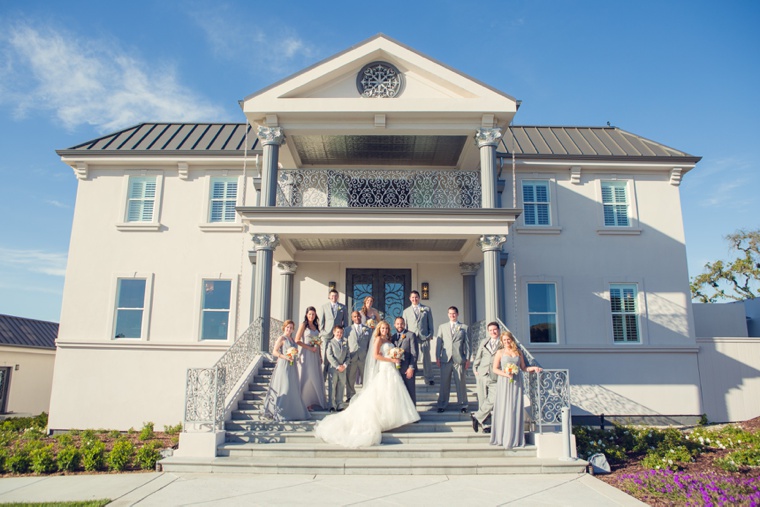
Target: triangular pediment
pixel 429 86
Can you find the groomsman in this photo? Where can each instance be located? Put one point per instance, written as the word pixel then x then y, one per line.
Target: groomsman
pixel 359 337
pixel 332 314
pixel 419 320
pixel 405 339
pixel 453 357
pixel 337 360
pixel 482 366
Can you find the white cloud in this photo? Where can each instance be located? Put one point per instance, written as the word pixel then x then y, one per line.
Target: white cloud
pixel 57 204
pixel 724 183
pixel 277 50
pixel 90 81
pixel 37 261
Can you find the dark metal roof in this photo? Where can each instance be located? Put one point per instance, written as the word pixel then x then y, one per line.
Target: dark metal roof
pixel 20 332
pixel 586 143
pixel 208 139
pixel 228 139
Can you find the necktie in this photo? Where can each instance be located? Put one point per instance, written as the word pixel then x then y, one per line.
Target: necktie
pixel 417 311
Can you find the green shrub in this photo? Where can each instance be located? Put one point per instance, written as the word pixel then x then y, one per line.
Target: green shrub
pixel 89 435
pixel 93 455
pixel 148 455
pixel 173 430
pixel 43 460
pixel 146 433
pixel 121 455
pixel 3 459
pixel 64 439
pixel 18 462
pixel 18 424
pixel 33 433
pixel 68 458
pixel 742 458
pixel 114 433
pixel 667 459
pixel 131 431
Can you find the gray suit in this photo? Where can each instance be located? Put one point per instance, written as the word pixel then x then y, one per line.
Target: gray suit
pixel 453 351
pixel 358 344
pixel 337 355
pixel 327 321
pixel 487 379
pixel 422 326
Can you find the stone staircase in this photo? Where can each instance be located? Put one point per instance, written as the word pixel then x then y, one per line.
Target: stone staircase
pixel 439 444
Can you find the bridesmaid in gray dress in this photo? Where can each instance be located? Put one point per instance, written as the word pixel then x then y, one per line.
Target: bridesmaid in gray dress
pixel 507 427
pixel 283 401
pixel 310 362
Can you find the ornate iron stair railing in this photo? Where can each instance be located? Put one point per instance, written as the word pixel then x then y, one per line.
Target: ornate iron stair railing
pixel 548 391
pixel 206 389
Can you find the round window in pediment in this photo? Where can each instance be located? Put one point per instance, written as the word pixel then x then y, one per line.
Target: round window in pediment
pixel 379 80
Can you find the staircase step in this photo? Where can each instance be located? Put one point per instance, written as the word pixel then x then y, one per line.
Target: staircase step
pixel 317 449
pixel 509 464
pixel 399 437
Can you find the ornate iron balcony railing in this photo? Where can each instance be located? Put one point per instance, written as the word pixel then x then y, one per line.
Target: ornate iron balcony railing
pixel 548 391
pixel 375 188
pixel 206 389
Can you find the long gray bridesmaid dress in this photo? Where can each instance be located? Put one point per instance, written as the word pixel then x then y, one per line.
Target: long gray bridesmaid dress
pixel 283 401
pixel 507 428
pixel 312 379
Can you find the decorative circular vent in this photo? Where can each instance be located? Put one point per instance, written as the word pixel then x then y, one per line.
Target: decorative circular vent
pixel 379 80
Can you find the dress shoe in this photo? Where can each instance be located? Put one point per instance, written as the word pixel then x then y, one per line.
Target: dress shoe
pixel 487 430
pixel 475 424
pixel 332 410
pixel 441 410
pixel 463 410
pixel 431 383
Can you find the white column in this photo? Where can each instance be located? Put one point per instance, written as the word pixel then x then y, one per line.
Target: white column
pixel 271 138
pixel 487 140
pixel 264 245
pixel 287 270
pixel 491 247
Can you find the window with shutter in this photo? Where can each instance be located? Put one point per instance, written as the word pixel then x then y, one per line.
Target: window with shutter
pixel 615 202
pixel 536 202
pixel 625 315
pixel 141 198
pixel 223 199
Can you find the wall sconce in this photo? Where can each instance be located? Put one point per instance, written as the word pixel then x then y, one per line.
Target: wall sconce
pixel 425 290
pixel 331 285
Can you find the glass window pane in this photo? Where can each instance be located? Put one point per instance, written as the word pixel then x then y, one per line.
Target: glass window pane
pixel 214 326
pixel 131 294
pixel 542 298
pixel 543 329
pixel 542 193
pixel 216 294
pixel 128 324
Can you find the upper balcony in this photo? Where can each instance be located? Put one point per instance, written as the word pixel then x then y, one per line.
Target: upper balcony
pixel 378 188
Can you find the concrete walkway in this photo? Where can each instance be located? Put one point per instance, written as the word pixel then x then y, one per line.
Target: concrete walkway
pixel 169 489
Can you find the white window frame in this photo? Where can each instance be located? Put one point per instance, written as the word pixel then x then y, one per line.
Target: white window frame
pixel 206 224
pixel 551 183
pixel 147 305
pixel 232 322
pixel 633 227
pixel 641 310
pixel 154 224
pixel 525 315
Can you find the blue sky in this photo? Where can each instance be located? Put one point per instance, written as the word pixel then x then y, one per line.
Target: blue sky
pixel 683 73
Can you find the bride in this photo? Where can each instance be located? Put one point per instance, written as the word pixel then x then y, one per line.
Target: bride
pixel 383 403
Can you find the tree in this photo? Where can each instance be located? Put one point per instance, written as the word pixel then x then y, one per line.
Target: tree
pixel 738 279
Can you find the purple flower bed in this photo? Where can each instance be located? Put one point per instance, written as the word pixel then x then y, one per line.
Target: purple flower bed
pixel 697 489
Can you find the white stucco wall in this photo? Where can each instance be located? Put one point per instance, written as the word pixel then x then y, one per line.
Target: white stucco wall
pixel 31 383
pixel 716 319
pixel 730 377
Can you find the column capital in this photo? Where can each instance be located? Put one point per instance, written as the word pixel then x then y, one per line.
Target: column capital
pixel 265 241
pixel 488 137
pixel 287 268
pixel 271 135
pixel 469 268
pixel 490 243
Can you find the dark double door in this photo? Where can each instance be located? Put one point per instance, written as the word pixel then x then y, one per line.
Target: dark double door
pixel 389 287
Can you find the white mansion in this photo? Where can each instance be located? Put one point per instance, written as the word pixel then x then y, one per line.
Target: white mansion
pixel 378 171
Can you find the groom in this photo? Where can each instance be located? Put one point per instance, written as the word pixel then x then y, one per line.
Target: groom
pixel 406 340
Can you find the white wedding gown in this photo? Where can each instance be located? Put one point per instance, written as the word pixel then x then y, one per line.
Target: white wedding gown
pixel 383 404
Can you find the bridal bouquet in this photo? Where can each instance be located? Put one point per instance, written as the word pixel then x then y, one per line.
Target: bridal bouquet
pixel 511 369
pixel 315 341
pixel 371 323
pixel 396 353
pixel 291 354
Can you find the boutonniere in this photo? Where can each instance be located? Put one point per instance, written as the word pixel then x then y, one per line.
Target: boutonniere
pixel 403 336
pixel 457 328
